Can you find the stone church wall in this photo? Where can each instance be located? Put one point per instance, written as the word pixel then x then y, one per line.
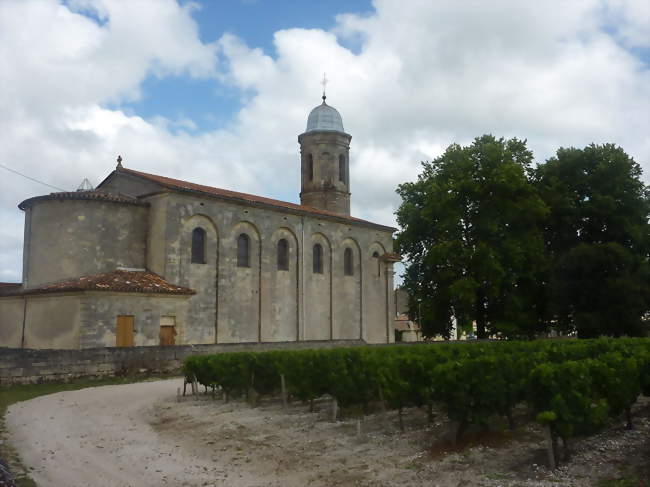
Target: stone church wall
pixel 100 311
pixel 97 237
pixel 11 322
pixel 262 303
pixel 48 321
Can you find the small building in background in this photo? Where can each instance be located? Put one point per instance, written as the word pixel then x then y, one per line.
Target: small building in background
pixel 406 330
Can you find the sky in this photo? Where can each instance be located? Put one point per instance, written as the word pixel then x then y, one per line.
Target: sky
pixel 216 92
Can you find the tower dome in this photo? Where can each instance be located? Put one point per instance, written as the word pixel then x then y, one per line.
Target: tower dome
pixel 324 117
pixel 325 161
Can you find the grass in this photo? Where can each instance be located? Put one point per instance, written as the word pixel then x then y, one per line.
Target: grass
pixel 13 394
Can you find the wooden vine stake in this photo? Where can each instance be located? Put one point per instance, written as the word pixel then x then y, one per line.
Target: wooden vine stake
pixel 548 434
pixel 284 391
pixel 178 394
pixel 382 403
pixel 335 409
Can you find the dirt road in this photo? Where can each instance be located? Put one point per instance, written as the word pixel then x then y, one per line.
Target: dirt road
pixel 101 437
pixel 138 435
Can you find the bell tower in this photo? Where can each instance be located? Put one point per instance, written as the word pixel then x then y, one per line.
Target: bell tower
pixel 325 161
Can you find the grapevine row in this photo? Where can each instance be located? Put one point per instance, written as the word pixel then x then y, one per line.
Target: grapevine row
pixel 573 387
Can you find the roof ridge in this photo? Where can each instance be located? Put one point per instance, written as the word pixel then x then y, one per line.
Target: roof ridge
pixel 173 183
pixel 84 195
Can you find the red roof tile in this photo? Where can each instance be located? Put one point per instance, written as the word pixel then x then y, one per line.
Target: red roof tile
pixel 83 195
pixel 116 281
pixel 179 185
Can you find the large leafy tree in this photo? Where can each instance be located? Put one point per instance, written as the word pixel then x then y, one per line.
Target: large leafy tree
pixel 598 239
pixel 470 231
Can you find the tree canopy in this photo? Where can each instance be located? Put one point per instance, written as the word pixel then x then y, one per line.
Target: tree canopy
pixel 471 234
pixel 598 239
pixel 518 250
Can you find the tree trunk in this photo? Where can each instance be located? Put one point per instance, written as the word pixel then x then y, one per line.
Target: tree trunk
pixel 481 316
pixel 456 430
pixel 511 421
pixel 401 420
pixel 481 323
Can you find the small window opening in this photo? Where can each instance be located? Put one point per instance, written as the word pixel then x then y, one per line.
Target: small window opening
pixel 198 246
pixel 342 168
pixel 348 262
pixel 283 255
pixel 310 167
pixel 318 259
pixel 243 250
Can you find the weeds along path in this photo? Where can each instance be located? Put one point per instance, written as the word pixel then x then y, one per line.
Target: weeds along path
pixel 101 436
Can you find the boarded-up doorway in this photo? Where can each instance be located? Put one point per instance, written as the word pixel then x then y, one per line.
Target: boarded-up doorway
pixel 167 330
pixel 124 335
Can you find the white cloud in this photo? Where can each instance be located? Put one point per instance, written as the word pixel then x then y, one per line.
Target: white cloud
pixel 558 74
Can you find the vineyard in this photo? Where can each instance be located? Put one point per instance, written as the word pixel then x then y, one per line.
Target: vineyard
pixel 571 387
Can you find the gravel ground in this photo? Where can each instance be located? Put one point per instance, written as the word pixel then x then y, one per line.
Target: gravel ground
pixel 139 435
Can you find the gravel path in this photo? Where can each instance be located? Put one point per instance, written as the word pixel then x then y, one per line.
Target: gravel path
pixel 101 437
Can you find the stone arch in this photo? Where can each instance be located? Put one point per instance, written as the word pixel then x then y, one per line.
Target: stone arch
pixel 376 298
pixel 280 295
pixel 212 236
pixel 318 290
pixel 239 287
pixel 203 277
pixel 347 292
pixel 376 266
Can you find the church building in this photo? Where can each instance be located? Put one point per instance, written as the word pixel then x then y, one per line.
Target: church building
pixel 149 260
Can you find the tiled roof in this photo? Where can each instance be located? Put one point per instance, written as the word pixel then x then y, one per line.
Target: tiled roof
pixel 178 185
pixel 391 257
pixel 403 323
pixel 83 195
pixel 117 281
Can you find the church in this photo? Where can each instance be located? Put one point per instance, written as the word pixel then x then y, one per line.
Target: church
pixel 147 260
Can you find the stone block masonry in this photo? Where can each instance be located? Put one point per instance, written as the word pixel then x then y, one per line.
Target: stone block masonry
pixel 25 366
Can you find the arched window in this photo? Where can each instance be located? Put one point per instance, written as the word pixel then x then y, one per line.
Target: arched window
pixel 375 255
pixel 310 167
pixel 243 250
pixel 348 262
pixel 283 255
pixel 198 246
pixel 318 259
pixel 342 168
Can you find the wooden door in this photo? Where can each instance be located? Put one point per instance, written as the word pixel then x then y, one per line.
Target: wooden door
pixel 124 335
pixel 167 335
pixel 167 330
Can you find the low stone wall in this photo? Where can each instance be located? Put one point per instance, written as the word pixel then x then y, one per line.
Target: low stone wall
pixel 25 366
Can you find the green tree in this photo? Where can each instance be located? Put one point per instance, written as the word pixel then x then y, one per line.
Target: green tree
pixel 470 231
pixel 598 239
